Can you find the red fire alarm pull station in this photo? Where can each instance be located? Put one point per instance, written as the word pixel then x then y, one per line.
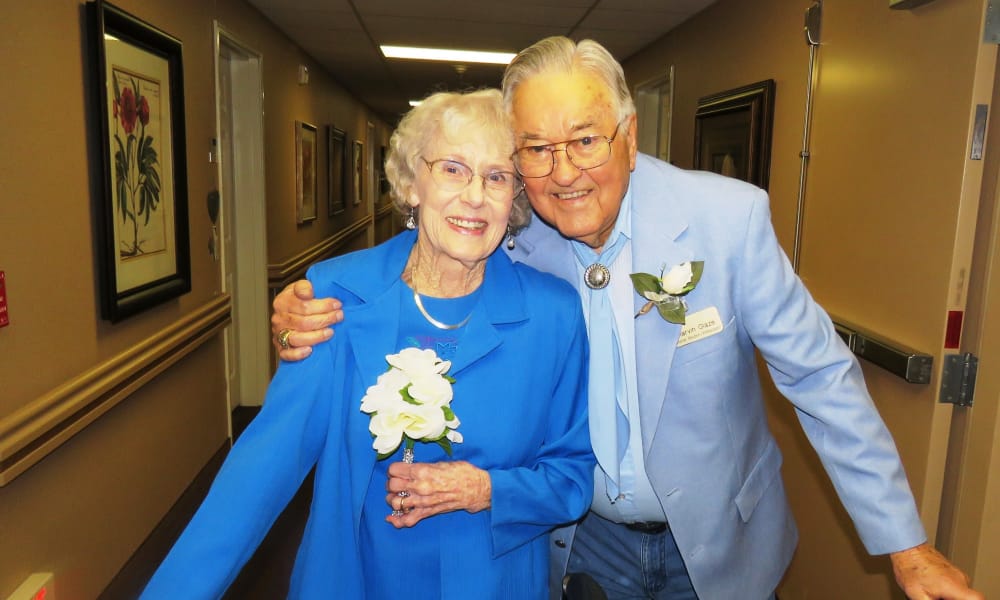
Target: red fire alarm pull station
pixel 4 319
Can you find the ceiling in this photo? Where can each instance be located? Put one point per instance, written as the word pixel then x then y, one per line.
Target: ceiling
pixel 344 36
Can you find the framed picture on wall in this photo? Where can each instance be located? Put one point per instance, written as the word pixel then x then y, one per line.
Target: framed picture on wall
pixel 305 172
pixel 732 132
pixel 141 212
pixel 383 181
pixel 336 198
pixel 358 170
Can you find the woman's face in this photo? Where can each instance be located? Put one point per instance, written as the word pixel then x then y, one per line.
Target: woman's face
pixel 462 226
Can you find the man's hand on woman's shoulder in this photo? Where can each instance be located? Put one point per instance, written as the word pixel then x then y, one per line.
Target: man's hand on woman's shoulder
pixel 300 321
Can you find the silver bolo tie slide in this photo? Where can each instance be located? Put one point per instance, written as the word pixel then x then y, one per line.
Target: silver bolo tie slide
pixel 597 276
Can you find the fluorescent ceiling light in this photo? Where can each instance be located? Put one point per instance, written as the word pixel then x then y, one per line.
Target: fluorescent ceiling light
pixel 461 56
pixel 415 102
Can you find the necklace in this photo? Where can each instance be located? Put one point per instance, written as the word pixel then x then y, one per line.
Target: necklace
pixel 432 320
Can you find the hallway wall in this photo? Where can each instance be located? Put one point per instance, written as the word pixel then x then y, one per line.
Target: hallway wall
pixel 86 506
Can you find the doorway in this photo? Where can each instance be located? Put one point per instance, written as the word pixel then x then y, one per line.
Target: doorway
pixel 242 249
pixel 654 105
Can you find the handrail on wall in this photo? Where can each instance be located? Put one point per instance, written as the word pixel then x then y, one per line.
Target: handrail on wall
pixel 898 359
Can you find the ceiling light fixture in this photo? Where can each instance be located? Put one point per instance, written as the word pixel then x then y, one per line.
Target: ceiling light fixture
pixel 464 56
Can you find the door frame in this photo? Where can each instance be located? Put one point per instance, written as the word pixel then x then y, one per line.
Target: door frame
pixel 244 270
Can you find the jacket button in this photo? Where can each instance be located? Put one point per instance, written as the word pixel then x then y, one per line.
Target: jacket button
pixel 560 544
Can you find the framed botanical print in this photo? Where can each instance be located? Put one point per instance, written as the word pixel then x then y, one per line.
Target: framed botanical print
pixel 142 210
pixel 305 172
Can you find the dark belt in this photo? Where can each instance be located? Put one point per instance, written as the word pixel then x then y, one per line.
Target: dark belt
pixel 649 527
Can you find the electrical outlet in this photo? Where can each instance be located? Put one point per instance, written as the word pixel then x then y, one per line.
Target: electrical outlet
pixel 38 586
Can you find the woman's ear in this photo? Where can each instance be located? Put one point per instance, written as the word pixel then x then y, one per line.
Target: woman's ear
pixel 412 199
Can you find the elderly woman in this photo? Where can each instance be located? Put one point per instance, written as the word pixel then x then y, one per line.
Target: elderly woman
pixel 447 342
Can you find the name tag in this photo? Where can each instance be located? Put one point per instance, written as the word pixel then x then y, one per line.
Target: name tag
pixel 700 325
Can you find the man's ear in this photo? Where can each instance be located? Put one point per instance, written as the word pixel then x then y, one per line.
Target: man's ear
pixel 633 140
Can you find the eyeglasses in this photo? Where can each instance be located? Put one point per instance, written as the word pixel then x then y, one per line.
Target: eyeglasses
pixel 453 176
pixel 584 153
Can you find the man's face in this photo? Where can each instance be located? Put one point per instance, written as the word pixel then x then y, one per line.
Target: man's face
pixel 553 107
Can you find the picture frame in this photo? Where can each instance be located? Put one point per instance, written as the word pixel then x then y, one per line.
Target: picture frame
pixel 141 206
pixel 906 4
pixel 383 181
pixel 357 170
pixel 305 172
pixel 732 132
pixel 336 143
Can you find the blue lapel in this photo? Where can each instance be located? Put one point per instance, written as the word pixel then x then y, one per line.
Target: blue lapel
pixel 501 301
pixel 658 225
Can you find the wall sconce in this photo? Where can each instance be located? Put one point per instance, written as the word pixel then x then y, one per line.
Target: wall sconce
pixel 303 75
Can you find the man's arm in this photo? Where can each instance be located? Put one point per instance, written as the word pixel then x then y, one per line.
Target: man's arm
pixel 308 320
pixel 825 384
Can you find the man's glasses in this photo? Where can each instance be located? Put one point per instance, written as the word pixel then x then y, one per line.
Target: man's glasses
pixel 585 153
pixel 453 176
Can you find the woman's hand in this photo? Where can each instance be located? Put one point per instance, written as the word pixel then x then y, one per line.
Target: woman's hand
pixel 434 488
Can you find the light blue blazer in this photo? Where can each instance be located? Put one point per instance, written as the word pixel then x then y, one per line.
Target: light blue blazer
pixel 520 370
pixel 710 456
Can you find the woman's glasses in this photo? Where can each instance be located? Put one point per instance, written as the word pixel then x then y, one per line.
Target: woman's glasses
pixel 453 176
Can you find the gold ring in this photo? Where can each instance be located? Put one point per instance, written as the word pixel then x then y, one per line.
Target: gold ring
pixel 283 338
pixel 401 500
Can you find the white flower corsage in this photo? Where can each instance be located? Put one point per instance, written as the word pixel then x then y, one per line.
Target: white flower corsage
pixel 667 291
pixel 411 402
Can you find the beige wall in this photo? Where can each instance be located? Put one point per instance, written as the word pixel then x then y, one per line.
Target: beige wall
pixel 83 509
pixel 892 113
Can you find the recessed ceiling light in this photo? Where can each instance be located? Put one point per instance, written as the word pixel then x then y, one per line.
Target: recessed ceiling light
pixel 443 54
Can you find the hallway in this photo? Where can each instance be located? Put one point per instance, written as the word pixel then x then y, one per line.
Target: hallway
pixel 117 400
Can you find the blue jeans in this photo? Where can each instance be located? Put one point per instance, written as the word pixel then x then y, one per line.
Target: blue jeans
pixel 630 564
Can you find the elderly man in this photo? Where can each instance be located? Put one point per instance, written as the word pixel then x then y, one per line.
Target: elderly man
pixel 681 277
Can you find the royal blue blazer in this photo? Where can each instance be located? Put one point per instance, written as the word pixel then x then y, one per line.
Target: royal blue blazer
pixel 522 359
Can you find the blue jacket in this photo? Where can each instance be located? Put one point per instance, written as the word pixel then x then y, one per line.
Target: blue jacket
pixel 709 453
pixel 522 359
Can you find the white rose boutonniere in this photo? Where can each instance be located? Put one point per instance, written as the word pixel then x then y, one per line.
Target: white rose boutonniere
pixel 667 291
pixel 411 402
